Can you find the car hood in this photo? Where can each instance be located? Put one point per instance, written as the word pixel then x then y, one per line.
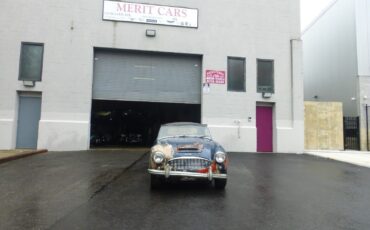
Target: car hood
pixel 191 147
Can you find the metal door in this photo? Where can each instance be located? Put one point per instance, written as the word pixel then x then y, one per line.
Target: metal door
pixel 264 129
pixel 351 126
pixel 29 113
pixel 147 77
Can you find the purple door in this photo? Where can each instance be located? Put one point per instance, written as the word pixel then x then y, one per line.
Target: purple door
pixel 264 129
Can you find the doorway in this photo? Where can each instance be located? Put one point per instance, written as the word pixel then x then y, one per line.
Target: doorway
pixel 29 113
pixel 264 123
pixel 129 123
pixel 351 127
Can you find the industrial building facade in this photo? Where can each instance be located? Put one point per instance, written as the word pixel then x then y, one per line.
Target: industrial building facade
pixel 80 74
pixel 336 55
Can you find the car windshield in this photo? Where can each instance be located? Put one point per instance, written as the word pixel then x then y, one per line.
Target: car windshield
pixel 168 131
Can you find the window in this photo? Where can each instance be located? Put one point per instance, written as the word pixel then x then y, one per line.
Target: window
pixel 236 74
pixel 265 76
pixel 30 67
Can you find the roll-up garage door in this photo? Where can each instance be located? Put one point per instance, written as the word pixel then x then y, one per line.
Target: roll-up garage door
pixel 149 77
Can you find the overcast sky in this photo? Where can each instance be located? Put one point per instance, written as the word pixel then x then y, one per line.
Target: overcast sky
pixel 310 9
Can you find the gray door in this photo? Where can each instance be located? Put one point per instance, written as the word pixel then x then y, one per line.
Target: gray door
pixel 29 113
pixel 148 77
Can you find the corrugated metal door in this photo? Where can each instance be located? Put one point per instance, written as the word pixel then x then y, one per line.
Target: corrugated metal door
pixel 149 77
pixel 28 121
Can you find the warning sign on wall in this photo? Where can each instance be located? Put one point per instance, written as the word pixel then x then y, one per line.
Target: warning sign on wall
pixel 215 77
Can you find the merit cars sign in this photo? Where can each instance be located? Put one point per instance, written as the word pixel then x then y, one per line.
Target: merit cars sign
pixel 151 14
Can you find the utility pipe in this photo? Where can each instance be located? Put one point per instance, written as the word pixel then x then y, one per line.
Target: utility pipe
pixel 367 127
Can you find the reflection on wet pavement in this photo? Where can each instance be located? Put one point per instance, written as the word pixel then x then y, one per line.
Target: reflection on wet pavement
pixel 98 190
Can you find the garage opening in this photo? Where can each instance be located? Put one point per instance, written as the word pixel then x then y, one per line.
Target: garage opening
pixel 124 124
pixel 134 92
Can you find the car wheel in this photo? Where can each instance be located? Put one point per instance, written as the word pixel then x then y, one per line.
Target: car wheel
pixel 155 181
pixel 220 183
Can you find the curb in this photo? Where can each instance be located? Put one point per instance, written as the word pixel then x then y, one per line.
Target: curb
pixel 22 155
pixel 353 161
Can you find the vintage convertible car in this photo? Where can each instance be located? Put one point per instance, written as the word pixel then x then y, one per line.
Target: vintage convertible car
pixel 187 151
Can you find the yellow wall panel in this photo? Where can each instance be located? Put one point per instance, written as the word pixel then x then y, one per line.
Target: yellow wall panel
pixel 323 126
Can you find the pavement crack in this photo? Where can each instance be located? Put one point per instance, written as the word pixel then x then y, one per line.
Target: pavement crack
pixel 116 177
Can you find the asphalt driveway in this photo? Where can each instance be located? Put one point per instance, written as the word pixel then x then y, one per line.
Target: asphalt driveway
pixel 110 190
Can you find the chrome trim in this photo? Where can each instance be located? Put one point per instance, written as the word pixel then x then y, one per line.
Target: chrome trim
pixel 210 173
pixel 159 153
pixel 189 163
pixel 220 152
pixel 167 170
pixel 208 176
pixel 191 158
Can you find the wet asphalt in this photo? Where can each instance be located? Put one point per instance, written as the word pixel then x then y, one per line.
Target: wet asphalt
pixel 110 190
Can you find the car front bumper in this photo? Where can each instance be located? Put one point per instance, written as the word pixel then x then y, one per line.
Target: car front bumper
pixel 168 173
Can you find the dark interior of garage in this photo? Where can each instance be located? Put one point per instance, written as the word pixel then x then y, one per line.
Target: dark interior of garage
pixel 125 124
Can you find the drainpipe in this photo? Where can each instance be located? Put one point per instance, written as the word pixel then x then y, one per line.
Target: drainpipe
pixel 367 127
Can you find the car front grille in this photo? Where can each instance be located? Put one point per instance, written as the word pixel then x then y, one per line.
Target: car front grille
pixel 189 164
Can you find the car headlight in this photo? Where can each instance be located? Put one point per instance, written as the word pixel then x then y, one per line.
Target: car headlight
pixel 220 157
pixel 158 157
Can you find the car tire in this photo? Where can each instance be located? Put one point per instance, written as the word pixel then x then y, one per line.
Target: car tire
pixel 155 182
pixel 220 183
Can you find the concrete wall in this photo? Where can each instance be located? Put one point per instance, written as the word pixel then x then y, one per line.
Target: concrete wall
pixel 330 57
pixel 71 29
pixel 323 126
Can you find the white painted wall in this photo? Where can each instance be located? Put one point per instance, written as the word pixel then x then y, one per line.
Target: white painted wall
pixel 70 30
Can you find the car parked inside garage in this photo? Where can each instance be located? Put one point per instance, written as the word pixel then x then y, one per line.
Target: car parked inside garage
pixel 187 150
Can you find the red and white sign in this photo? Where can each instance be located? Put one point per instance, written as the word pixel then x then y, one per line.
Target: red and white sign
pixel 215 77
pixel 150 14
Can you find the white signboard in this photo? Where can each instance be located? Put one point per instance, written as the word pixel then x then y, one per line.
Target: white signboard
pixel 151 14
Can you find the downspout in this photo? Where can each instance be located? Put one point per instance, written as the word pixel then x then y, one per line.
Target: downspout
pixel 295 76
pixel 367 127
pixel 297 97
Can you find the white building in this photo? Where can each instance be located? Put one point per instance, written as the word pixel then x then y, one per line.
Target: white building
pixel 336 49
pixel 112 74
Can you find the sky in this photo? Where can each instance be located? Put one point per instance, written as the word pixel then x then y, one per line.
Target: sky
pixel 310 9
